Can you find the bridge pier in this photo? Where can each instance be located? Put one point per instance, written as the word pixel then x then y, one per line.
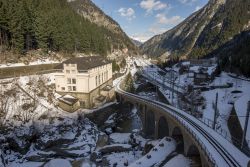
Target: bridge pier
pixel 144 119
pixel 157 118
pixel 150 123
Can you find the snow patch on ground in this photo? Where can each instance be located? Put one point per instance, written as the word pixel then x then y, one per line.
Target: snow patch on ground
pixel 38 62
pixel 157 154
pixel 122 138
pixel 179 161
pixel 58 163
pixel 227 100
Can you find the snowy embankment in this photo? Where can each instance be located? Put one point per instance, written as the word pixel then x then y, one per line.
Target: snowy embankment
pixel 123 149
pixel 179 161
pixel 31 111
pixel 122 138
pixel 241 110
pixel 157 155
pixel 57 163
pixel 38 62
pixel 237 96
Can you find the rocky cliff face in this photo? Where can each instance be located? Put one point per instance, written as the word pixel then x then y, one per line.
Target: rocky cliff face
pixel 203 31
pixel 90 11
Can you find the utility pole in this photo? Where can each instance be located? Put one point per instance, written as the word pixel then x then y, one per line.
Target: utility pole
pixel 172 81
pixel 246 125
pixel 215 111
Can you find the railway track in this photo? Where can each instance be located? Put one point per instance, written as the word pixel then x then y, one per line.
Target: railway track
pixel 226 156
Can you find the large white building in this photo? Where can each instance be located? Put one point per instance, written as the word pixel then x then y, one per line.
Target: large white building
pixel 84 78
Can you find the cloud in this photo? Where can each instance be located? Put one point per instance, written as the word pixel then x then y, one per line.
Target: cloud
pixel 151 5
pixel 129 13
pixel 162 24
pixel 162 19
pixel 187 1
pixel 143 37
pixel 155 29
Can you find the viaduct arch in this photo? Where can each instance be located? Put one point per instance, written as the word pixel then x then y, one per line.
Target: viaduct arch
pixel 158 124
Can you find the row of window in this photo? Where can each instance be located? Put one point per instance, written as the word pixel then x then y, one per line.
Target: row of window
pixel 72 65
pixel 70 71
pixel 70 88
pixel 101 78
pixel 101 67
pixel 71 81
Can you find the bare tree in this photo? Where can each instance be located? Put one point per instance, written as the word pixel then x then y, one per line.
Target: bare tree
pixel 4 107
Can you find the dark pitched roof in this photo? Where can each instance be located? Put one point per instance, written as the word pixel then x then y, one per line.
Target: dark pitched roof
pixel 85 63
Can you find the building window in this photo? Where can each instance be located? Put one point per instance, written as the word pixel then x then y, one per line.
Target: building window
pixel 67 71
pixel 67 65
pixel 68 80
pixel 69 88
pixel 71 81
pixel 63 88
pixel 99 79
pixel 74 88
pixel 82 104
pixel 96 81
pixel 73 71
pixel 73 65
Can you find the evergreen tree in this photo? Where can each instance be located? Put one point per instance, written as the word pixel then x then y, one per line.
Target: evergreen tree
pixel 51 25
pixel 129 83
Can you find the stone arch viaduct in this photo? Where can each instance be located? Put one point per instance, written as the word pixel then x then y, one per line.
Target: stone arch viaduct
pixel 193 139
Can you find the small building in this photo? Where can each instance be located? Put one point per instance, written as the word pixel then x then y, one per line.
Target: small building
pixel 201 77
pixel 69 103
pixel 202 74
pixel 84 78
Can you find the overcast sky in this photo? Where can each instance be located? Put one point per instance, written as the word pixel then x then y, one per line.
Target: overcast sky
pixel 142 19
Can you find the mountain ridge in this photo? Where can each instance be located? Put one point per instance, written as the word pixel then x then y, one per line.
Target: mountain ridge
pixel 56 25
pixel 202 32
pixel 93 13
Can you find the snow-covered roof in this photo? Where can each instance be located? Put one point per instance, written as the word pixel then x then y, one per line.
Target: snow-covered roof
pixel 68 99
pixel 209 70
pixel 186 63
